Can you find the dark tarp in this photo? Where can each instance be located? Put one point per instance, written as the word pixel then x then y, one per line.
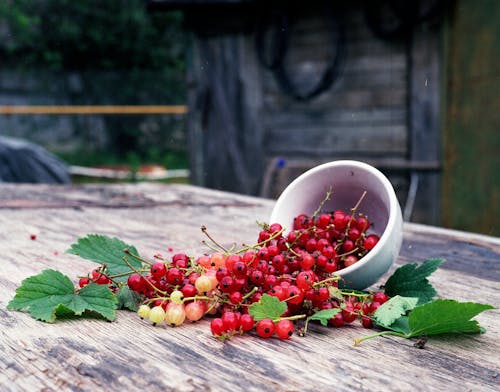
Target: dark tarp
pixel 25 162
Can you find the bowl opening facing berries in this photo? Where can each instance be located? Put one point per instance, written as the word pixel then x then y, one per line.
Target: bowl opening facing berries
pixel 348 180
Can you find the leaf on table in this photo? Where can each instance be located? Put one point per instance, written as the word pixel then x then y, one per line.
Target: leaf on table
pixel 128 299
pixel 106 250
pixel 445 316
pixel 323 316
pixel 267 307
pixel 410 280
pixel 400 325
pixel 393 309
pixel 50 293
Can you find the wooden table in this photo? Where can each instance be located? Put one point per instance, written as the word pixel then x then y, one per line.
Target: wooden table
pixel 128 354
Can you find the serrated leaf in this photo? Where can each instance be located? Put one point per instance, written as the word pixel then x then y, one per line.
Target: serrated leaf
pixel 401 326
pixel 51 292
pixel 393 309
pixel 106 250
pixel 410 280
pixel 323 315
pixel 267 307
pixel 99 299
pixel 128 299
pixel 335 293
pixel 445 316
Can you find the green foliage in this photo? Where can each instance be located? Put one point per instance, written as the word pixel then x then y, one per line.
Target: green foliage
pixel 410 280
pixel 91 34
pixel 127 299
pixel 267 307
pixel 108 251
pixel 393 309
pixel 50 294
pixel 439 317
pixel 323 316
pixel 93 52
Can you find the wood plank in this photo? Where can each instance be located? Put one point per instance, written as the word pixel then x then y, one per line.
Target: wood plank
pixel 329 140
pixel 386 80
pixel 130 355
pixel 362 117
pixel 349 99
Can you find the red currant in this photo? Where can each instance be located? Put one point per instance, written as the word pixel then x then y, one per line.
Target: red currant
pixel 158 270
pixel 265 328
pixel 246 322
pixel 217 327
pixel 284 329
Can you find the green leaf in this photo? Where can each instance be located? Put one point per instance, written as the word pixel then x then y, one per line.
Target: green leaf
pixel 335 293
pixel 401 326
pixel 109 251
pixel 410 280
pixel 323 316
pixel 267 307
pixel 50 293
pixel 445 316
pixel 393 309
pixel 128 299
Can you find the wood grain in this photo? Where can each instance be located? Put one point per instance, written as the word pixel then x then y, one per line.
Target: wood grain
pixel 128 354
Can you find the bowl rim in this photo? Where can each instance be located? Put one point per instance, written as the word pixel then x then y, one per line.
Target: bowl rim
pixel 393 206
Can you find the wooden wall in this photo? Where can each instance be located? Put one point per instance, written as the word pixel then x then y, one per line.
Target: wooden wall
pixel 248 135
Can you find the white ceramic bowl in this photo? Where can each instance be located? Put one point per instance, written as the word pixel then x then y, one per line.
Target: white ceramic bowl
pixel 349 179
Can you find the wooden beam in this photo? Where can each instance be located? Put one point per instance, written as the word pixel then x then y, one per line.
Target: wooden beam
pixel 92 109
pixel 425 123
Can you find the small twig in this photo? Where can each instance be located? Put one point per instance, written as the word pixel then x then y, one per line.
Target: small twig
pixel 204 230
pixel 353 210
pixel 322 202
pixel 137 257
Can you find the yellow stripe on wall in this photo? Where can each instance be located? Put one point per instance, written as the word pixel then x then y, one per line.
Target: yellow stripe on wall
pixel 94 109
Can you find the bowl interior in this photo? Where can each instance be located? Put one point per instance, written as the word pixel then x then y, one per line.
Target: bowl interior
pixel 348 181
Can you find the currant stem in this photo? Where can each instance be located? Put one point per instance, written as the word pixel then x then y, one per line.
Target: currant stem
pixel 150 300
pixel 332 279
pixel 210 246
pixel 291 318
pixel 349 253
pixel 138 272
pixel 289 247
pixel 137 257
pixel 353 210
pixel 322 202
pixel 353 294
pixel 199 298
pixel 125 274
pixel 262 243
pixel 204 230
pixel 358 341
pixel 306 324
pixel 250 293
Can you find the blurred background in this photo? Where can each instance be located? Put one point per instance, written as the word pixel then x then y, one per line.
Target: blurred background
pixel 244 95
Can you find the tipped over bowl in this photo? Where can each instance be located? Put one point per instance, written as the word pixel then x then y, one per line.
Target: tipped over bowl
pixel 348 180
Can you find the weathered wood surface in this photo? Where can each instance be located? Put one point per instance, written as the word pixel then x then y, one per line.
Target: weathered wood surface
pixel 128 354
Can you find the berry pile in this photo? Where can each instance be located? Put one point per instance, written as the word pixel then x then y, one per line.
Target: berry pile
pixel 297 268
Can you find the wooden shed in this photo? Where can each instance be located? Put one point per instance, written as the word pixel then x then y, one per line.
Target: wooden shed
pixel 276 87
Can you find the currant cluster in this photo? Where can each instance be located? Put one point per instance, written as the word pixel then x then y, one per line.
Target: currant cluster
pixel 96 276
pixel 297 268
pixel 336 240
